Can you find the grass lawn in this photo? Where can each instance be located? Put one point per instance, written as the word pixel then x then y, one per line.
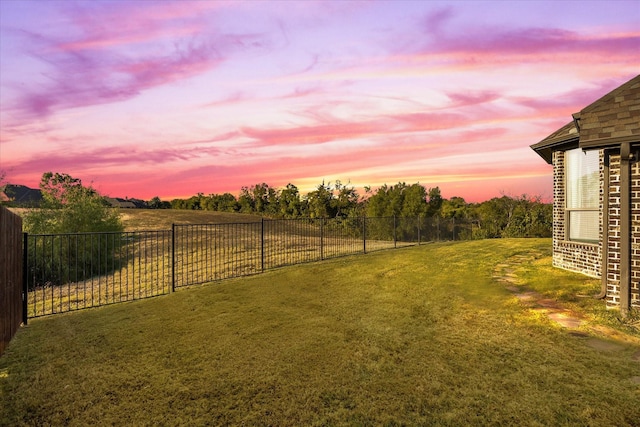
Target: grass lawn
pixel 417 336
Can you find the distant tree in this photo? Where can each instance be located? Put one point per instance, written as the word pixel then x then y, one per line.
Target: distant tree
pixel 509 216
pixel 289 203
pixel 194 203
pixel 398 200
pixel 434 203
pixel 455 207
pixel 319 202
pixel 415 201
pixel 222 202
pixel 178 204
pixel 70 207
pixel 156 203
pixel 345 202
pixel 245 201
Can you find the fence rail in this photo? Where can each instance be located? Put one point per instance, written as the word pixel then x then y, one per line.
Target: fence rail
pixel 66 272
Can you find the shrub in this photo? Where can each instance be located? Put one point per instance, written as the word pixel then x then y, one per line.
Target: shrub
pixel 69 208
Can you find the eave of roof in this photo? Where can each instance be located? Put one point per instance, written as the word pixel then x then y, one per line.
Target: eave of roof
pixel 609 121
pixel 566 137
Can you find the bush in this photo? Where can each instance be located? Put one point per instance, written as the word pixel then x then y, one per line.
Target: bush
pixel 69 208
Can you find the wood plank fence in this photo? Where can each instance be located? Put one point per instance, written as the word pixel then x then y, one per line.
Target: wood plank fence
pixel 11 302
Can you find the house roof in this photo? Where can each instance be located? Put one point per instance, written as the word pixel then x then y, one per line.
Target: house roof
pixel 117 202
pixel 20 195
pixel 564 137
pixel 610 120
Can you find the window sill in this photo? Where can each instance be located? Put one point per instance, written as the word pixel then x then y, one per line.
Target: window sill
pixel 590 244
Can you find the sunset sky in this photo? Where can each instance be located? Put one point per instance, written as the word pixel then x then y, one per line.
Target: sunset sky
pixel 174 98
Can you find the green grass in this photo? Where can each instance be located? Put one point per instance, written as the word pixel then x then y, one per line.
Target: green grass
pixel 417 336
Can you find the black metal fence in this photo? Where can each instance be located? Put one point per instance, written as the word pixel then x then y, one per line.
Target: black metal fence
pixel 66 272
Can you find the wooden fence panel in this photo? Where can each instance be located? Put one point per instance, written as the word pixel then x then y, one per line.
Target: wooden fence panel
pixel 10 276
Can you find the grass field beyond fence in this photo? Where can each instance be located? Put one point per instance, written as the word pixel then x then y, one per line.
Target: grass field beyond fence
pixel 426 335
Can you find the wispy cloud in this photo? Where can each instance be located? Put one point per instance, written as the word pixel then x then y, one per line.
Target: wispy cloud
pixel 94 67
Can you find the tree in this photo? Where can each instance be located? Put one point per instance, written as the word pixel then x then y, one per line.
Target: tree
pixel 69 207
pixel 345 203
pixel 455 207
pixel 319 202
pixel 245 201
pixel 435 201
pixel 156 203
pixel 290 205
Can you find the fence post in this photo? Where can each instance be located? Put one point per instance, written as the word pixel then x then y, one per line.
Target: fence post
pixel 262 244
pixel 173 257
pixel 453 228
pixel 25 276
pixel 322 239
pixel 419 224
pixel 364 234
pixel 395 234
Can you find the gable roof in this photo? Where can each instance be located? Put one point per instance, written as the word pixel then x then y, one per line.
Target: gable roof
pixel 610 120
pixel 117 202
pixel 20 195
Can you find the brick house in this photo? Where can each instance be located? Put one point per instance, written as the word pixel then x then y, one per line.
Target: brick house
pixel 596 193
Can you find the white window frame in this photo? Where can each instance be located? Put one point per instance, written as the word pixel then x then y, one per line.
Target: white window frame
pixel 582 196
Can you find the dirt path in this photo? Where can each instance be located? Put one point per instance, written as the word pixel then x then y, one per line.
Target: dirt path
pixel 573 322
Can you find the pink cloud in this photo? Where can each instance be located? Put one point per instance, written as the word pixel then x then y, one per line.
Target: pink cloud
pixel 96 65
pixel 477 40
pixel 443 43
pixel 136 23
pixel 304 135
pixel 464 99
pixel 564 104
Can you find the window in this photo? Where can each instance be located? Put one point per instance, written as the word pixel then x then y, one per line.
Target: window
pixel 582 195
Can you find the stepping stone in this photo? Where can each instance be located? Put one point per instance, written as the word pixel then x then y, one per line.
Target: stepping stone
pixel 565 320
pixel 526 296
pixel 548 303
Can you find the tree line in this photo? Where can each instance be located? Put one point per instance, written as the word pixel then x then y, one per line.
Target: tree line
pixel 505 216
pixel 69 206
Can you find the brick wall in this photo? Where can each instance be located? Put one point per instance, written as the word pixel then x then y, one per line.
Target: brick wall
pixel 574 256
pixel 635 234
pixel 613 261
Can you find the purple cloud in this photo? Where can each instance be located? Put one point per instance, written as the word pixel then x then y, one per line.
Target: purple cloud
pixel 101 63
